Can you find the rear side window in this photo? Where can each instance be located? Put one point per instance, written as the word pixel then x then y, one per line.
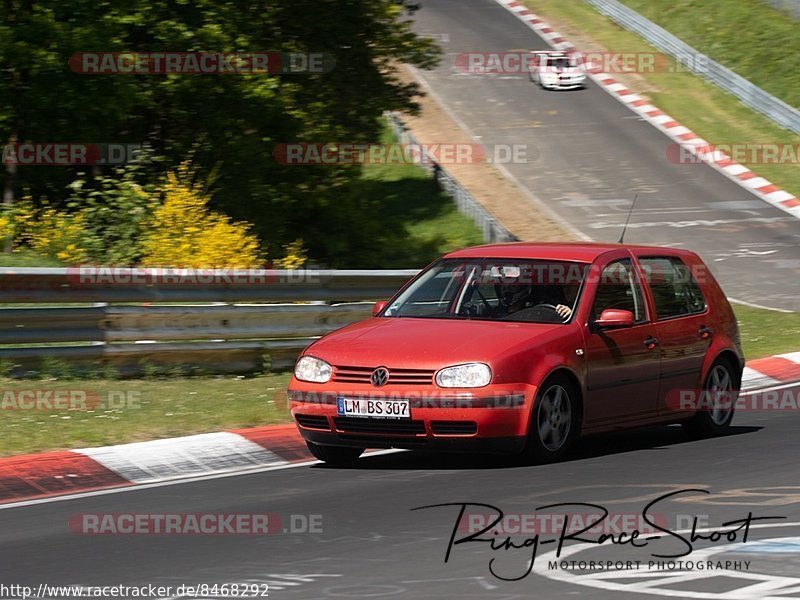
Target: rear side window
pixel 619 288
pixel 675 291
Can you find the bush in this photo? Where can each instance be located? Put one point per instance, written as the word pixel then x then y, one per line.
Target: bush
pixel 184 232
pixel 115 220
pixel 115 210
pixel 50 232
pixel 6 229
pixel 295 256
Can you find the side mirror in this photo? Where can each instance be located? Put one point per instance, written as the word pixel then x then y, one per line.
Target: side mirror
pixel 378 307
pixel 613 318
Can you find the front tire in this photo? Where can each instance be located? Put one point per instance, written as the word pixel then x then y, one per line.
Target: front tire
pixel 720 390
pixel 334 455
pixel 555 421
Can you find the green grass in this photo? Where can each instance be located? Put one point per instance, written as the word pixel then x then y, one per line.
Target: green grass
pixel 400 219
pixel 27 258
pixel 747 36
pixel 158 408
pixel 767 332
pixel 715 115
pixel 431 218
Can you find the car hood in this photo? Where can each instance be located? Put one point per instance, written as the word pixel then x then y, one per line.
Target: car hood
pixel 427 343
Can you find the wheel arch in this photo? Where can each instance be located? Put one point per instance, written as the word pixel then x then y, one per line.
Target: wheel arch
pixel 733 359
pixel 566 372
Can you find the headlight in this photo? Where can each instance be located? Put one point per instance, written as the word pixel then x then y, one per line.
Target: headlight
pixel 312 369
pixel 470 375
pixel 549 76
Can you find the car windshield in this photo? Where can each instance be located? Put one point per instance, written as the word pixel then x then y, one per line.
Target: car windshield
pixel 559 63
pixel 533 291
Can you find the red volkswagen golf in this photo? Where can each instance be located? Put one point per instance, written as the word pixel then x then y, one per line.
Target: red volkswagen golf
pixel 523 347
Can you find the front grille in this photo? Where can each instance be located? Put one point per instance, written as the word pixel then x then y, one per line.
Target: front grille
pixel 400 376
pixel 454 427
pixel 313 422
pixel 388 426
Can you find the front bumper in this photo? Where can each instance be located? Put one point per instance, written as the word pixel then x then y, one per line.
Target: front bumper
pixel 566 84
pixel 493 419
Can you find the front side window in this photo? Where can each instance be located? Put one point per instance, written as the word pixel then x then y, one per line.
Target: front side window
pixel 619 288
pixel 534 291
pixel 675 291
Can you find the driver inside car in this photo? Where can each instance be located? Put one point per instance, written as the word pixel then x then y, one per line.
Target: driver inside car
pixel 552 295
pixel 520 297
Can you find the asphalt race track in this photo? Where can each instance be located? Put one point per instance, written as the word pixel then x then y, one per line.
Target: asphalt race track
pixel 370 544
pixel 588 155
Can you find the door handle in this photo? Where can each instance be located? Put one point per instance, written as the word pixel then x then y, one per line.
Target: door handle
pixel 705 332
pixel 651 343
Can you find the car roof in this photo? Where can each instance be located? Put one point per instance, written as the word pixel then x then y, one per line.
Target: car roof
pixel 570 251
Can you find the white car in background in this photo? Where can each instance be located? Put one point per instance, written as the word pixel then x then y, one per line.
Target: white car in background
pixel 554 70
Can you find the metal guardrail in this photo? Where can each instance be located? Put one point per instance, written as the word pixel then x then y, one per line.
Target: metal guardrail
pixel 791 7
pixel 751 95
pixel 466 203
pixel 223 337
pixel 99 284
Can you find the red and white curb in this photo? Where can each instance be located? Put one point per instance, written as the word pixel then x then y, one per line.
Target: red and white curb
pixel 35 476
pixel 689 140
pixel 772 371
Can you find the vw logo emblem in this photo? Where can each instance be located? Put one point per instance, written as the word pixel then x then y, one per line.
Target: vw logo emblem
pixel 379 377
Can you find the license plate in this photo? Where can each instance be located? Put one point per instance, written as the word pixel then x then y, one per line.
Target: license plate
pixel 377 409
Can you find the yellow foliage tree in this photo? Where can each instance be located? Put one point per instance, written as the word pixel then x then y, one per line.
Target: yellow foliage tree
pixel 183 232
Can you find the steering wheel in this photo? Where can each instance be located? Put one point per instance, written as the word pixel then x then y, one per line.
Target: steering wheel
pixel 545 306
pixel 550 306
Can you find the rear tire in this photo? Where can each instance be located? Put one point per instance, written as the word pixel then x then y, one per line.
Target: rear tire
pixel 335 455
pixel 715 420
pixel 555 421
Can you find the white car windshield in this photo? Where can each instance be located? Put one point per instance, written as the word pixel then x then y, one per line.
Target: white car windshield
pixel 559 63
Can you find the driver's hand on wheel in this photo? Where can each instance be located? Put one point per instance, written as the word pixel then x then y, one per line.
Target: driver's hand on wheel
pixel 564 311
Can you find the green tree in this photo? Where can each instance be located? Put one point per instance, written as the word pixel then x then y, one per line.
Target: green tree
pixel 228 124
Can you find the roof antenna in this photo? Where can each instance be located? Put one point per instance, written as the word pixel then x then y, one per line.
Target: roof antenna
pixel 622 237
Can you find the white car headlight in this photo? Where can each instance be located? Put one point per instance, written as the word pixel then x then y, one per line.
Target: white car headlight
pixel 312 369
pixel 470 375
